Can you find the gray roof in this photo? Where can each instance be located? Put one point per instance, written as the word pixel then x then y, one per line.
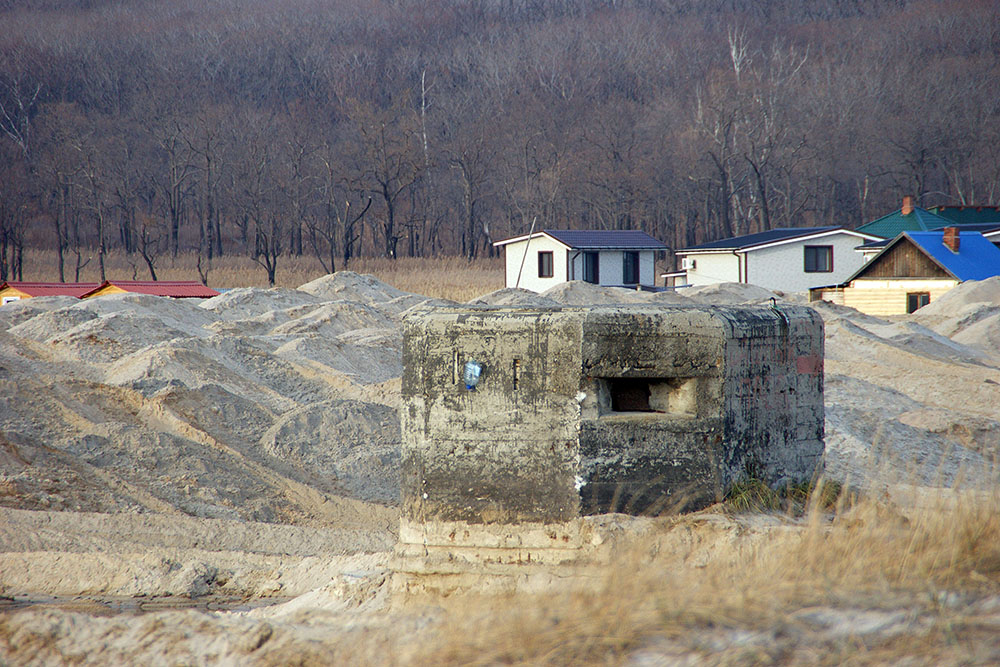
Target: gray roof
pixel 761 238
pixel 605 239
pixel 601 239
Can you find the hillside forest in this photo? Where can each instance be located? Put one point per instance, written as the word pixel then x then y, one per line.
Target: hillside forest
pixel 337 129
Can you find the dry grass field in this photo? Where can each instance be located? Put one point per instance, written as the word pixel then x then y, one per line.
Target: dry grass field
pixel 862 585
pixel 443 277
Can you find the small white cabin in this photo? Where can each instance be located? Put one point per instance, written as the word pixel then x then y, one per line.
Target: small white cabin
pixel 789 260
pixel 547 258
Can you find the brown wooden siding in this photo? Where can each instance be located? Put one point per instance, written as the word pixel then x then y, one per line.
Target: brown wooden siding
pixel 903 260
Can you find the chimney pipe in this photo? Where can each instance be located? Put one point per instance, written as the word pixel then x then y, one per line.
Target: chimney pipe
pixel 907 207
pixel 950 238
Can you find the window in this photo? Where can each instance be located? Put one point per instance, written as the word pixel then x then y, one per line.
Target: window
pixel 819 258
pixel 545 264
pixel 591 267
pixel 630 268
pixel 677 397
pixel 915 300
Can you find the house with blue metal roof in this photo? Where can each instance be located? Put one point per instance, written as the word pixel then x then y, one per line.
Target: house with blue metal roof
pixel 541 260
pixel 787 259
pixel 915 268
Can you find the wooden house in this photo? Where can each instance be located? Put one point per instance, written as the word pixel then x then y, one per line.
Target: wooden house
pixel 913 269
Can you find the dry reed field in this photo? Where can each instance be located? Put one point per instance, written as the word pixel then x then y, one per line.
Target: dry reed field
pixel 453 278
pixel 862 584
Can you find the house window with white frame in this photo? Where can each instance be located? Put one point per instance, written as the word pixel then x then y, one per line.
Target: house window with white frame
pixel 545 264
pixel 818 258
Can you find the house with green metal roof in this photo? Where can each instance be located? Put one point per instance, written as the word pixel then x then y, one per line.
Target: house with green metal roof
pixel 908 218
pixel 968 215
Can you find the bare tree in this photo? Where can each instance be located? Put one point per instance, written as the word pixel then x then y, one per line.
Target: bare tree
pixel 387 161
pixel 19 98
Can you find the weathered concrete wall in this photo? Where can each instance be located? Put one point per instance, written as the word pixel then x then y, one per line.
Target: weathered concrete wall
pixel 591 410
pixel 500 453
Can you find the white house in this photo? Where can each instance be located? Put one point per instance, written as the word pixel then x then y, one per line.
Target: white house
pixel 544 259
pixel 790 260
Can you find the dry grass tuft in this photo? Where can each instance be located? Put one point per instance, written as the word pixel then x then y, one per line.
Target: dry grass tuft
pixel 867 555
pixel 443 277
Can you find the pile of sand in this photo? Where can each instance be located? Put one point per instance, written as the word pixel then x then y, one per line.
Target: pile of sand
pixel 257 404
pixel 248 446
pixel 260 403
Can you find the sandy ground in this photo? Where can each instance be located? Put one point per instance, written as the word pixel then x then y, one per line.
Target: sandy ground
pixel 246 447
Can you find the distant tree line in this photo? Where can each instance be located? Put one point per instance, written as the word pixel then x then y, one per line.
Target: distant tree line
pixel 335 128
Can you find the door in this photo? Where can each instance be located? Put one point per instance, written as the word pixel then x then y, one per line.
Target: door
pixel 591 267
pixel 630 268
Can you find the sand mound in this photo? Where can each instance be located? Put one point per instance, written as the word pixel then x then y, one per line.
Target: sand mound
pixel 47 324
pixel 334 319
pixel 668 297
pixel 260 404
pixel 983 335
pixel 355 286
pixel 366 356
pixel 579 293
pixel 238 441
pixel 369 290
pixel 729 293
pixel 260 324
pixel 153 404
pixel 970 292
pixel 514 296
pixel 354 443
pixel 246 302
pixel 15 312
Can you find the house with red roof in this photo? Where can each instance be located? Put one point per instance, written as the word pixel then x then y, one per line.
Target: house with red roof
pixel 178 289
pixel 15 290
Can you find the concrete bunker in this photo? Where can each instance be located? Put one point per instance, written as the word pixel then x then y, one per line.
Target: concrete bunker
pixel 582 411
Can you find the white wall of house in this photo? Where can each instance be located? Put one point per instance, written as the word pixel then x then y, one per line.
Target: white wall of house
pixel 612 266
pixel 514 253
pixel 868 254
pixel 647 267
pixel 712 268
pixel 576 264
pixel 782 267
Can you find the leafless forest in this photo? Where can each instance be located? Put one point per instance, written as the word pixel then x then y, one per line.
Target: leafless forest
pixel 338 129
